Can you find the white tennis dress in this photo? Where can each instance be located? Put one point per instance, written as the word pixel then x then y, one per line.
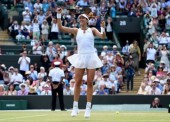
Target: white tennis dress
pixel 86 56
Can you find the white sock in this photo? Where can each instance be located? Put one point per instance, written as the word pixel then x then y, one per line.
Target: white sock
pixel 88 104
pixel 75 104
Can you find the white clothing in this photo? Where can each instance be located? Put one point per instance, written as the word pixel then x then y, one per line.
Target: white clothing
pixel 38 6
pixel 54 27
pixel 46 93
pixel 56 74
pixel 163 40
pixel 18 37
pixel 36 27
pixel 68 92
pixel 26 16
pixel 164 57
pixel 44 29
pixel 37 50
pixel 17 78
pixel 24 63
pixel 86 57
pixel 151 52
pixel 157 91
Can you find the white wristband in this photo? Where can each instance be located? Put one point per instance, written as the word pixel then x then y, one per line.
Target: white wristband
pixel 102 30
pixel 59 16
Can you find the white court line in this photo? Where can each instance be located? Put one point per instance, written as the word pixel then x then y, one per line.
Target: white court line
pixel 23 117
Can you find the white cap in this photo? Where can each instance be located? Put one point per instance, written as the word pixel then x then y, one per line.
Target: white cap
pixel 114 46
pixel 162 62
pixel 50 42
pixel 63 46
pixel 84 15
pixel 26 8
pixel 156 80
pixel 22 84
pixel 105 46
pixel 57 63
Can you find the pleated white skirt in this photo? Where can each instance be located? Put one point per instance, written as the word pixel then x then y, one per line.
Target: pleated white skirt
pixel 85 60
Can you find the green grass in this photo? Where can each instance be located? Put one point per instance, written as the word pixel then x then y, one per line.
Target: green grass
pixel 96 116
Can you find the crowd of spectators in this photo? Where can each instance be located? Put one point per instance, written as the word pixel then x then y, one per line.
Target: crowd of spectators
pixel 119 67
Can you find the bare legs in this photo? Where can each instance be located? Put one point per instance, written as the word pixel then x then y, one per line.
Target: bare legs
pixel 78 78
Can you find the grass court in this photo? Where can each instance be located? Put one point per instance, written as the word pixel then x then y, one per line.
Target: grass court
pixel 96 116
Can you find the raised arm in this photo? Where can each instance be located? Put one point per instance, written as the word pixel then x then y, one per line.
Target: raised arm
pixel 63 28
pixel 101 34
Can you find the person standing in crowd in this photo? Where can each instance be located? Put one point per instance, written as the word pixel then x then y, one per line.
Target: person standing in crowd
pixel 136 54
pixel 24 62
pixel 126 50
pixel 150 54
pixel 56 76
pixel 109 29
pixel 85 59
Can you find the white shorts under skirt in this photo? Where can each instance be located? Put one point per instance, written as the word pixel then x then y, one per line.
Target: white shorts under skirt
pixel 85 60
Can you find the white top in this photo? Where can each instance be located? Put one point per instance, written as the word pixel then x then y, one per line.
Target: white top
pixel 85 41
pixel 26 16
pixel 24 65
pixel 36 27
pixel 54 27
pixel 151 52
pixel 16 78
pixel 37 50
pixel 56 74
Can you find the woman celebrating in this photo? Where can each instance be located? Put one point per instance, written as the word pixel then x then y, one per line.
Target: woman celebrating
pixel 85 59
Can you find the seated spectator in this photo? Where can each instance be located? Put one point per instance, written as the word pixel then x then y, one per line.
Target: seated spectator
pixel 107 84
pixel 46 90
pixel 20 36
pixel 26 29
pixel 156 103
pixel 166 90
pixel 83 87
pixel 67 90
pixel 6 78
pixel 105 67
pixel 154 90
pixel 11 90
pixel 32 90
pixel 109 57
pixel 104 51
pixel 16 78
pixel 50 51
pixel 57 58
pixel 102 91
pixel 33 41
pixel 34 73
pixel 23 90
pixel 2 90
pixel 42 73
pixel 118 60
pixel 63 50
pixel 37 49
pixel 142 90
